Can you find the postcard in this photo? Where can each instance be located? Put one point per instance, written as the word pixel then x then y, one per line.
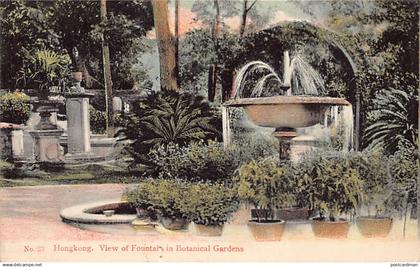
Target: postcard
pixel 209 131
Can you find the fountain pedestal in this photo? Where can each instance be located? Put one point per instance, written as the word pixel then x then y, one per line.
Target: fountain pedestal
pixel 285 136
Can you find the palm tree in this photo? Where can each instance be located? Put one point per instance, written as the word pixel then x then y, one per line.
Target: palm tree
pixel 43 68
pixel 169 117
pixel 395 122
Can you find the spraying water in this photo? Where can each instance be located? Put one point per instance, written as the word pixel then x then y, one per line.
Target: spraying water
pixel 299 78
pixel 246 71
pixel 306 80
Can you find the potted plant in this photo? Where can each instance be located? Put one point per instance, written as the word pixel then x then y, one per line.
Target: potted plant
pixel 402 171
pixel 371 166
pixel 43 69
pixel 139 198
pixel 213 205
pixel 333 187
pixel 299 210
pixel 167 198
pixel 262 184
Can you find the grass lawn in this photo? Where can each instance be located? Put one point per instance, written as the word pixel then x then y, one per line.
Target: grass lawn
pixel 87 173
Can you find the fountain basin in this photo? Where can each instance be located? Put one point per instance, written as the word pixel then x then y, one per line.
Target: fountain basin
pixel 286 111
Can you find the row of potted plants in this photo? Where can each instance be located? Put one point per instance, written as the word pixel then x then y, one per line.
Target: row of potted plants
pixel 176 203
pixel 330 185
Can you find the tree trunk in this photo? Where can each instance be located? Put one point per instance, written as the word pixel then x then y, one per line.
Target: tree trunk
pixel 107 77
pixel 178 83
pixel 245 11
pixel 228 76
pixel 212 83
pixel 244 17
pixel 418 185
pixel 166 46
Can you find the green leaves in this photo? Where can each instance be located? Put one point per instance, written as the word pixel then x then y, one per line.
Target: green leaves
pixel 203 203
pixel 266 184
pixel 196 162
pixel 330 183
pixel 42 69
pixel 169 117
pixel 14 108
pixel 392 123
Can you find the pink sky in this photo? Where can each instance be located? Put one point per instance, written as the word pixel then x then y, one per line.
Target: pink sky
pixel 188 21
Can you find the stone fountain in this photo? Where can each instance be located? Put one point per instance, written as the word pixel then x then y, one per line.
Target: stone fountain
pixel 286 113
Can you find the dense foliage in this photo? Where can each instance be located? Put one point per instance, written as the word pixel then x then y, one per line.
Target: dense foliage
pixel 168 117
pixel 97 120
pixel 266 185
pixel 42 69
pixel 208 162
pixel 394 120
pixel 196 162
pixel 68 25
pixel 166 197
pixel 372 168
pixel 330 184
pixel 212 204
pixel 403 170
pixel 14 108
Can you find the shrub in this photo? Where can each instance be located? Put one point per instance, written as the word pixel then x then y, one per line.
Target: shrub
pixel 253 146
pixel 167 197
pixel 403 170
pixel 97 120
pixel 168 117
pixel 266 184
pixel 371 166
pixel 212 204
pixel 195 162
pixel 330 183
pixel 14 108
pixel 207 162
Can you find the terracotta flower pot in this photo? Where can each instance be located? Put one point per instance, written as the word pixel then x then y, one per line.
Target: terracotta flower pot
pixel 209 230
pixel 172 223
pixel 267 231
pixel 370 226
pixel 328 229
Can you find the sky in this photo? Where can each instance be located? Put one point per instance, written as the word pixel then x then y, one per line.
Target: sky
pixel 285 10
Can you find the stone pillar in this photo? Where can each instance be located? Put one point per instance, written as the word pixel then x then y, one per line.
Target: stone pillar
pixel 226 127
pixel 78 125
pixel 17 143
